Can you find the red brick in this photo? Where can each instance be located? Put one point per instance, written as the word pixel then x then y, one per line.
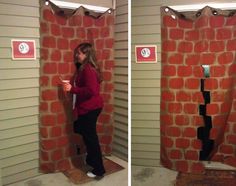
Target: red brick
pixel 192 83
pixel 169 70
pixel 232 117
pixel 217 46
pixel 192 35
pixel 192 59
pixel 168 46
pixel 197 167
pixel 50 68
pixel 43 106
pixel 68 57
pixel 216 21
pixel 106 97
pixel 182 96
pixel 56 55
pixel 48 144
pixel 184 71
pixel 231 139
pixel 49 95
pixel 201 46
pixel 56 107
pixel 61 20
pixel 164 33
pixel 230 21
pixel 231 45
pixel 55 30
pixel 185 47
pixel 189 132
pixel 166 119
pixel 207 58
pixel 217 96
pixel 106 139
pixel 176 59
pixel 110 20
pixel 105 32
pixel 210 84
pixel 80 32
pixel 68 32
pixel 107 76
pixel 167 96
pixel 167 142
pixel 44 28
pixel 232 69
pixel 48 15
pixel 226 83
pixel 185 23
pixel 201 22
pixel 61 119
pixel 47 167
pixel 175 154
pixel 223 34
pixel 196 144
pixel 198 120
pixel 168 21
pixel 48 120
pixel 108 87
pixel 190 108
pixel 44 54
pixel 63 68
pixel 164 82
pixel 214 133
pixel 198 97
pixel 43 132
pixel 198 71
pixel 62 43
pixel 62 141
pixel 75 20
pixel 225 58
pixel 230 161
pixel 55 132
pixel 174 107
pixel 44 80
pixel 109 43
pixel 63 165
pixel 181 120
pixel 100 22
pixel 99 44
pixel 176 83
pixel 191 155
pixel 92 33
pixel 217 71
pixel 219 120
pixel 182 143
pixel 49 42
pixel 55 81
pixel 56 155
pixel 88 21
pixel 44 156
pixel 109 65
pixel 74 43
pixel 108 108
pixel 181 166
pixel 106 54
pixel 207 33
pixel 225 107
pixel 104 118
pixel 176 34
pixel 212 109
pixel 173 131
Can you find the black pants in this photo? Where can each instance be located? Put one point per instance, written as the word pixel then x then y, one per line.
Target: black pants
pixel 86 126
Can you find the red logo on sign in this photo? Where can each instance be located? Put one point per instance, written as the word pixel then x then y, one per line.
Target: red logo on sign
pixel 146 54
pixel 23 49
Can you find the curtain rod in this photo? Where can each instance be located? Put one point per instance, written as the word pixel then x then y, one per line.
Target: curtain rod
pixel 69 5
pixel 194 7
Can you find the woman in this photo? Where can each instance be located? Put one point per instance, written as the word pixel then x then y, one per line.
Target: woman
pixel 87 104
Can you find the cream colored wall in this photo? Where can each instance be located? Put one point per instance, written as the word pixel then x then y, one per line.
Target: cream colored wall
pixel 120 141
pixel 19 92
pixel 145 80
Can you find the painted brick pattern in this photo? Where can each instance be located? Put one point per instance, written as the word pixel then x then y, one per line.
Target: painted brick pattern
pixel 186 46
pixel 59 37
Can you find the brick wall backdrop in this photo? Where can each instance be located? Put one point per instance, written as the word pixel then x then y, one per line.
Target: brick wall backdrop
pixel 59 36
pixel 198 113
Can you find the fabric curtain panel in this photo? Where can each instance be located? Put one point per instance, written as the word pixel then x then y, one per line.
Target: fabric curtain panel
pixel 198 88
pixel 61 31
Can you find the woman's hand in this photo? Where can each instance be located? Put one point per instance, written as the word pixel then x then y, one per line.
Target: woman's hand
pixel 67 87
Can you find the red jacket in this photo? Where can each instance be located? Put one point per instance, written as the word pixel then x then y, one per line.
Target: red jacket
pixel 86 86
